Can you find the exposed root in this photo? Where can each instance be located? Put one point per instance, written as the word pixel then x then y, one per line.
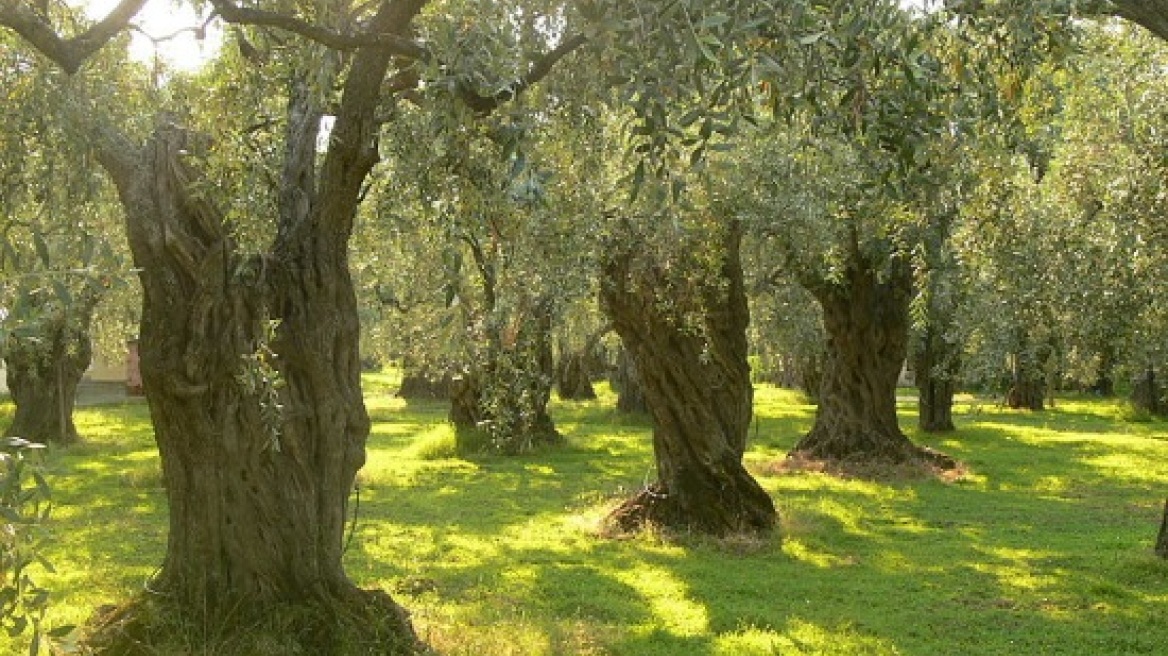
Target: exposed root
pixel 654 508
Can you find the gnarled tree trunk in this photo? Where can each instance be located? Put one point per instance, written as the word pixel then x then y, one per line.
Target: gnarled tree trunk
pixel 697 385
pixel 252 372
pixel 865 316
pixel 506 397
pixel 575 370
pixel 630 393
pixel 422 382
pixel 935 363
pixel 574 377
pixel 44 370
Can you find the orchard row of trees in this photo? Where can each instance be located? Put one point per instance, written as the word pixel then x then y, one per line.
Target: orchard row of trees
pixel 457 186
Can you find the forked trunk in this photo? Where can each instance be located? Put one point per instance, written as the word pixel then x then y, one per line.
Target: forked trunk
pixel 866 321
pixel 43 373
pixel 698 389
pixel 251 369
pixel 255 400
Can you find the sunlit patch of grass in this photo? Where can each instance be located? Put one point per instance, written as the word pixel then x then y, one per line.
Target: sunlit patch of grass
pixel 1043 547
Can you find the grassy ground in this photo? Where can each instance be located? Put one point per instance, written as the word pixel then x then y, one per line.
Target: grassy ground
pixel 1043 548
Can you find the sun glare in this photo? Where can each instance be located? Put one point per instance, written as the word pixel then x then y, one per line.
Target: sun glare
pixel 169 30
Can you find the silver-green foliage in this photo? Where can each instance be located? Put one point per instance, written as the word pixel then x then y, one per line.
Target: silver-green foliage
pixel 24 503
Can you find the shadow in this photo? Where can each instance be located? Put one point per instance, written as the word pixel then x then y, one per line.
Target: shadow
pixel 1043 548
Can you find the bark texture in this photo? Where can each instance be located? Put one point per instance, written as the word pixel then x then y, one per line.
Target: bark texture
pixel 257 494
pixel 865 316
pixel 423 383
pixel 630 393
pixel 935 363
pixel 44 370
pixel 1148 393
pixel 1162 537
pixel 505 399
pixel 698 389
pixel 574 377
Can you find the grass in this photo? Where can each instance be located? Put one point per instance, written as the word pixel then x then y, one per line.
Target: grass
pixel 1042 548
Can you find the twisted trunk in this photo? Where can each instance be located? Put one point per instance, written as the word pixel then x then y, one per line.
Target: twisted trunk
pixel 866 320
pixel 43 373
pixel 697 387
pixel 574 377
pixel 251 369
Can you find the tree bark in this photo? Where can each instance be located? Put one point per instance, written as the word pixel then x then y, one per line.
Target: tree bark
pixel 1147 392
pixel 698 389
pixel 257 497
pixel 44 370
pixel 935 364
pixel 866 319
pixel 421 382
pixel 507 396
pixel 573 377
pixel 251 365
pixel 1027 383
pixel 1162 537
pixel 630 393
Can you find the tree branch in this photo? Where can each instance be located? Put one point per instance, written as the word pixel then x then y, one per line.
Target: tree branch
pixel 396 44
pixel 539 70
pixel 1152 14
pixel 71 53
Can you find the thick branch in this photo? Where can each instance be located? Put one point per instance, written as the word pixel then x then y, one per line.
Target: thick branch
pixel 69 54
pixel 1152 14
pixel 539 70
pixel 394 43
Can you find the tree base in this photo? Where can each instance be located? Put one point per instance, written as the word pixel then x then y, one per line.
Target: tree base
pixel 750 513
pixel 915 462
pixel 357 623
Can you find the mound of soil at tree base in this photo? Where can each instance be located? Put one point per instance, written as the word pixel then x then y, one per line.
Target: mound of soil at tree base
pixel 930 464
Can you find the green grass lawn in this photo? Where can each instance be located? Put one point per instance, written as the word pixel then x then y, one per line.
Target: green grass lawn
pixel 1042 548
